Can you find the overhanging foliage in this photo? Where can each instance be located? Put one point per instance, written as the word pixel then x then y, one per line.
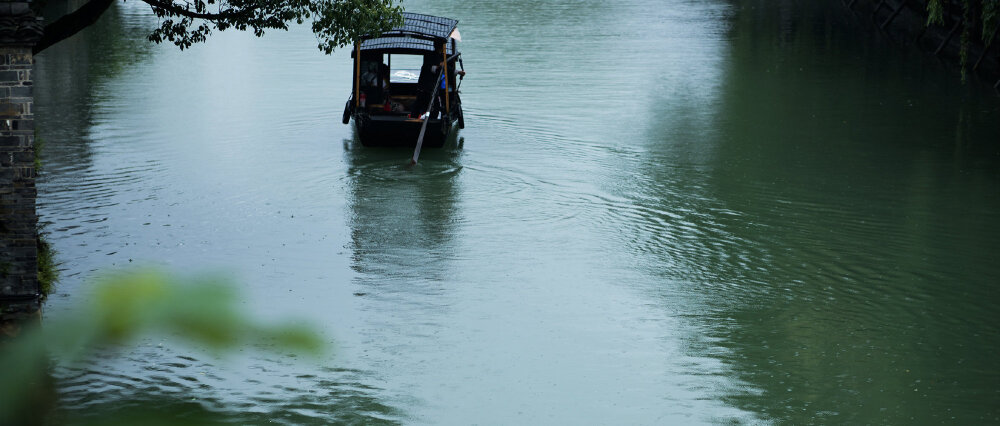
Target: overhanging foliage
pixel 336 23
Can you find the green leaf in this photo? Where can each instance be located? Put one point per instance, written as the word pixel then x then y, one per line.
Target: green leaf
pixel 124 306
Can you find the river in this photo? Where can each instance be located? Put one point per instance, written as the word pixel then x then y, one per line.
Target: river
pixel 660 212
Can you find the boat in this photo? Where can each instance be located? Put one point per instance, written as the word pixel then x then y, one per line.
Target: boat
pixel 405 84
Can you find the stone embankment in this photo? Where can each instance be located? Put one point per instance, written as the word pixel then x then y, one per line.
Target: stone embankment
pixel 19 289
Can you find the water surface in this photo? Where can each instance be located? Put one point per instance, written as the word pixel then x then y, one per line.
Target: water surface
pixel 659 213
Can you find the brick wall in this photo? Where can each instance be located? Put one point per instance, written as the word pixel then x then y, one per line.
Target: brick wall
pixel 18 221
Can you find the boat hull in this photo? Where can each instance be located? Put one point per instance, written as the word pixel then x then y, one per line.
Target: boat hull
pixel 400 131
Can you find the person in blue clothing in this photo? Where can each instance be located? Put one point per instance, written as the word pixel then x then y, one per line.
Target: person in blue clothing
pixel 425 84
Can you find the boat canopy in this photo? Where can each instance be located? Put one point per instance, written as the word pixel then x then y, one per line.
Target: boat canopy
pixel 418 35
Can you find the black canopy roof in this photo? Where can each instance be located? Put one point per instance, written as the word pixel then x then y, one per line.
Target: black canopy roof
pixel 400 45
pixel 418 34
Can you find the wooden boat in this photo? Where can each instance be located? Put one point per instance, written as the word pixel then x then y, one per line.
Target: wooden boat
pixel 404 77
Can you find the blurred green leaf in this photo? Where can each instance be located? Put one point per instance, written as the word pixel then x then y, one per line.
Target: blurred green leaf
pixel 125 306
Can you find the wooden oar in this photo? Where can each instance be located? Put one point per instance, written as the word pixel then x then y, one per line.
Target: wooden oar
pixel 423 127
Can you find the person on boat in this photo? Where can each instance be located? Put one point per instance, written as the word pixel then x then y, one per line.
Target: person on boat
pixel 452 72
pixel 375 81
pixel 443 89
pixel 383 81
pixel 425 84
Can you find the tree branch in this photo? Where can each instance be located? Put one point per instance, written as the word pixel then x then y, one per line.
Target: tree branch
pixel 71 23
pixel 169 6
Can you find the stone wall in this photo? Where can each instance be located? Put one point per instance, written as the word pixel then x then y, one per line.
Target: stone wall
pixel 19 292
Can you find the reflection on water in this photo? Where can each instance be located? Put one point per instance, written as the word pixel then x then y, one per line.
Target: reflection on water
pixel 402 224
pixel 681 212
pixel 860 198
pixel 402 215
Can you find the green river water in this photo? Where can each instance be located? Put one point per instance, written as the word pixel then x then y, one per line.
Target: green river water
pixel 659 212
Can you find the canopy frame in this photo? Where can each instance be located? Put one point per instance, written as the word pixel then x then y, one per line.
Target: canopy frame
pixel 419 34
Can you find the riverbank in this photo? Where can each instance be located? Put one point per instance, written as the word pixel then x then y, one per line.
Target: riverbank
pixel 909 24
pixel 903 24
